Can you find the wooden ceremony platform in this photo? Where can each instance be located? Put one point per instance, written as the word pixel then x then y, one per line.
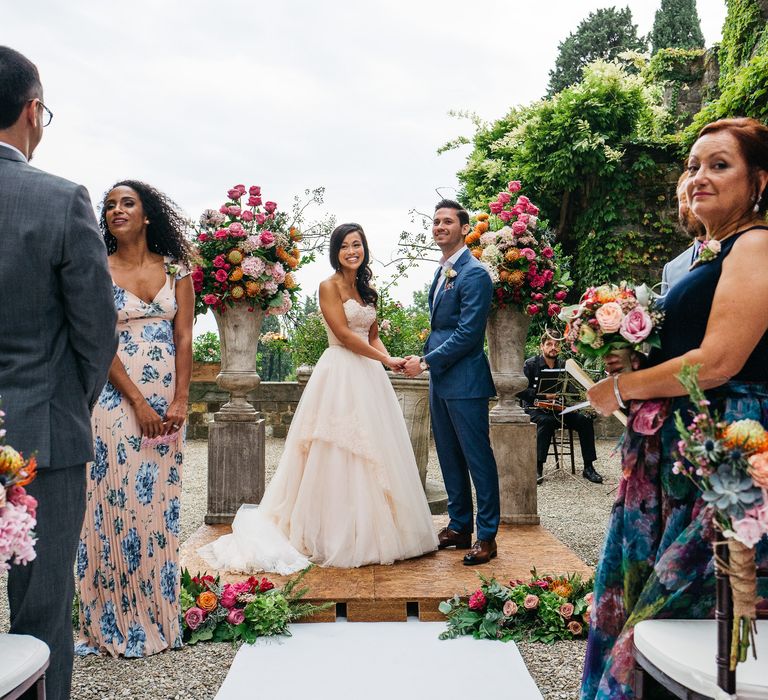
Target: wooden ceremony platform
pixel 415 586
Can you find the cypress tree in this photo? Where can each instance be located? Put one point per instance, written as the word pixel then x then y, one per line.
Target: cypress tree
pixel 677 25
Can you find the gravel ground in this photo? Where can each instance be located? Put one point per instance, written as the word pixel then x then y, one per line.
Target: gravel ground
pixel 570 507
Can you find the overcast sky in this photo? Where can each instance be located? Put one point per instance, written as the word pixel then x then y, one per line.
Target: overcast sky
pixel 196 96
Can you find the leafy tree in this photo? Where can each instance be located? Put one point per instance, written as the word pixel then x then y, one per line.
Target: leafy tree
pixel 604 34
pixel 677 26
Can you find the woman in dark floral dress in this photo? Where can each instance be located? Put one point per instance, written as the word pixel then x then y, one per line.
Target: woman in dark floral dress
pixel 657 558
pixel 127 565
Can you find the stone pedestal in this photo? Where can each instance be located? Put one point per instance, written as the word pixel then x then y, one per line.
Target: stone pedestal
pixel 235 466
pixel 513 436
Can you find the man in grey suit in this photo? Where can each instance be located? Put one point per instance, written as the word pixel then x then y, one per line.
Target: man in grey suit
pixel 676 268
pixel 57 340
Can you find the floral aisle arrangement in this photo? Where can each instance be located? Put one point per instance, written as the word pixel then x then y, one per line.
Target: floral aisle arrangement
pixel 519 259
pixel 728 463
pixel 247 253
pixel 17 508
pixel 544 609
pixel 245 610
pixel 612 317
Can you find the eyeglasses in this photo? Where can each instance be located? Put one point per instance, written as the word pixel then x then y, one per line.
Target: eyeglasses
pixel 47 114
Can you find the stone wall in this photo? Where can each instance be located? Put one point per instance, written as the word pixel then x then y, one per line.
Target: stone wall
pixel 278 400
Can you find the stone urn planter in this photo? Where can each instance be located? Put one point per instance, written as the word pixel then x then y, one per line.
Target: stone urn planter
pixel 239 335
pixel 506 332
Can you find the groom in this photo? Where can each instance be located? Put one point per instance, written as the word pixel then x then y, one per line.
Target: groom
pixel 460 386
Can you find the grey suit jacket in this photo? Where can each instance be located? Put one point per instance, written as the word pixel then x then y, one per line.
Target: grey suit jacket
pixel 57 314
pixel 676 269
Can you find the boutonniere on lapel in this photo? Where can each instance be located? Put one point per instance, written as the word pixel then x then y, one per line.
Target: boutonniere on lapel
pixel 709 251
pixel 450 277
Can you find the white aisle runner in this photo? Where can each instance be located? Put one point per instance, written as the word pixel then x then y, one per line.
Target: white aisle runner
pixel 377 661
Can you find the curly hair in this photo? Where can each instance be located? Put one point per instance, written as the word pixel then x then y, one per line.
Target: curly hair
pixel 363 279
pixel 165 231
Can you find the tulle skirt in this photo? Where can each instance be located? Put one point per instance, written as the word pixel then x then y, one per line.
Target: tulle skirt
pixel 347 490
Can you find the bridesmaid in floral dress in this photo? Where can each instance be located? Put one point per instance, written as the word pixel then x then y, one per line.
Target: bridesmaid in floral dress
pixel 127 565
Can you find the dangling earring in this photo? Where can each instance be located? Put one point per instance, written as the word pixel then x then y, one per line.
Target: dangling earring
pixel 756 208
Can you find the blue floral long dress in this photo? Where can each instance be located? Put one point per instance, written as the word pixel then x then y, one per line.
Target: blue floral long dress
pixel 127 562
pixel 657 558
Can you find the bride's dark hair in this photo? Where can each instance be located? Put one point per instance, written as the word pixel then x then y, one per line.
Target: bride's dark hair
pixel 362 282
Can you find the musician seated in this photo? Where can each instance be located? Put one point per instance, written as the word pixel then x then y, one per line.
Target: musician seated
pixel 544 409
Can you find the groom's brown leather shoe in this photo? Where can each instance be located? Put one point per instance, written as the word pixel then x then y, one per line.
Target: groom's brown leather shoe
pixel 481 553
pixel 450 538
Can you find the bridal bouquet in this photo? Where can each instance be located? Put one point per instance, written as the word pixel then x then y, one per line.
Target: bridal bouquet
pixel 543 609
pixel 247 253
pixel 728 462
pixel 519 259
pixel 17 507
pixel 612 318
pixel 243 610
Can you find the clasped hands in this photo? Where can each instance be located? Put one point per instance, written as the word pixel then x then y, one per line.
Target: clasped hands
pixel 410 366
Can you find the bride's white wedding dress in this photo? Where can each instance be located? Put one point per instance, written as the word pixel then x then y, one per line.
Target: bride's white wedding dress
pixel 347 490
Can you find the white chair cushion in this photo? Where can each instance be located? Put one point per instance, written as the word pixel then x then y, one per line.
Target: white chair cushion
pixel 686 650
pixel 22 656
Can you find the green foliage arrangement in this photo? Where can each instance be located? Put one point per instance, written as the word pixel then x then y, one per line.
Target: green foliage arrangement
pixel 676 25
pixel 308 339
pixel 604 34
pixel 206 348
pixel 544 609
pixel 402 329
pixel 744 29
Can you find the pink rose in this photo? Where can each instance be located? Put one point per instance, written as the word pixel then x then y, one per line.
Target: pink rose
pixel 504 197
pixel 553 309
pixel 609 316
pixel 228 597
pixel 194 617
pixel 532 309
pixel 587 614
pixel 210 299
pixel 514 186
pixel 198 275
pixel 477 601
pixel 236 616
pixel 221 275
pixel 523 201
pixel 510 608
pixel 260 219
pixel 219 261
pixel 224 209
pixel 254 201
pixel 527 253
pixel 531 602
pixel 236 229
pixel 255 191
pixel 203 237
pixel 575 628
pixel 517 210
pixel 758 469
pixel 637 325
pixel 547 252
pixel 751 528
pixel 234 195
pixel 566 610
pixel 270 207
pixel 267 239
pixel 234 211
pixel 240 189
pixel 559 296
pixel 221 234
pixel 505 216
pixel 495 207
pixel 548 275
pixel 247 215
pixel 519 227
pixel 537 296
pixel 589 597
pixel 532 209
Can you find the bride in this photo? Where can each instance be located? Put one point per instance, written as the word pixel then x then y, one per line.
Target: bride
pixel 347 490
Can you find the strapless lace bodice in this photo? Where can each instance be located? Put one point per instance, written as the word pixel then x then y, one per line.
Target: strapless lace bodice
pixel 359 319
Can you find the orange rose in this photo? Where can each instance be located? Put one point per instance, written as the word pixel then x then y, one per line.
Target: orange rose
pixel 207 601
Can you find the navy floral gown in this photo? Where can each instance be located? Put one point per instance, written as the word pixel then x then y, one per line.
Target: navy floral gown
pixel 127 564
pixel 657 558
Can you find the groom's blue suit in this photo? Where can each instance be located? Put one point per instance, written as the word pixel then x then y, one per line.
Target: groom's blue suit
pixel 460 386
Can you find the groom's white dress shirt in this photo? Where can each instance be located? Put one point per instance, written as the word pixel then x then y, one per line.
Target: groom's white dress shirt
pixel 446 265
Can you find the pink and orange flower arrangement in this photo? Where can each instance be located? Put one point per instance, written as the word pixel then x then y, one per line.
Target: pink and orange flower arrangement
pixel 247 254
pixel 728 463
pixel 212 611
pixel 543 609
pixel 18 509
pixel 520 259
pixel 612 317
